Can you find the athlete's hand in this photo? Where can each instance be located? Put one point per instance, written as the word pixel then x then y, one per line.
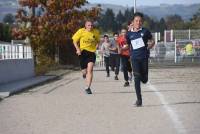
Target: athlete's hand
pixel 150 44
pixel 78 52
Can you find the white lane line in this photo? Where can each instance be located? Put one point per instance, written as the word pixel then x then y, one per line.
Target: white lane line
pixel 172 114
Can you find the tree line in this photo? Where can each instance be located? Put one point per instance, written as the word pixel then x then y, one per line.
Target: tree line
pixel 109 22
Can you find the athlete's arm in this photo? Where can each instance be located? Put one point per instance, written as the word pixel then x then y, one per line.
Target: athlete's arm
pixel 78 50
pixel 112 48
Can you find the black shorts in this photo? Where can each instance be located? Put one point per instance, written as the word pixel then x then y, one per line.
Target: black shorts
pixel 86 57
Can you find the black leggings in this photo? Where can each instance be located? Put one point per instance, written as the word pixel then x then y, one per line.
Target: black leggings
pixel 115 62
pixel 107 63
pixel 126 66
pixel 140 71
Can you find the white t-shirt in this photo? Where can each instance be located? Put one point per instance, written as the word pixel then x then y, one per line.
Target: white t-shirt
pixel 105 49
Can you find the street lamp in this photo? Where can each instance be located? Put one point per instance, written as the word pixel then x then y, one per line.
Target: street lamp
pixel 134 6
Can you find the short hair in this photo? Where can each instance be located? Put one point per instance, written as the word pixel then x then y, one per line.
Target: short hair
pixel 105 36
pixel 115 33
pixel 89 20
pixel 138 14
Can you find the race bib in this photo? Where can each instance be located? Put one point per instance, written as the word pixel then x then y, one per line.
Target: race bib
pixel 137 43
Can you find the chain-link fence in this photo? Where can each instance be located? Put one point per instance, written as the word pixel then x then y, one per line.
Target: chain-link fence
pixel 163 53
pixel 187 51
pixel 177 52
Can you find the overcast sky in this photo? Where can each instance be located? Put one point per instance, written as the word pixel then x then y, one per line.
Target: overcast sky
pixel 144 2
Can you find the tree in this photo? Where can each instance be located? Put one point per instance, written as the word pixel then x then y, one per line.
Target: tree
pixel 127 15
pixel 9 19
pixel 5 32
pixel 107 21
pixel 53 27
pixel 174 22
pixel 195 21
pixel 162 27
pixel 149 23
pixel 1 31
pixel 120 19
pixel 162 24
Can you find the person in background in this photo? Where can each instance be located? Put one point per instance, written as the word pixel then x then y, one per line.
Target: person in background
pixel 189 52
pixel 130 68
pixel 123 50
pixel 106 53
pixel 114 56
pixel 86 41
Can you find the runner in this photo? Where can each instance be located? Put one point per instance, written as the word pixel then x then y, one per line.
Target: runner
pixel 124 55
pixel 114 56
pixel 106 53
pixel 140 41
pixel 86 41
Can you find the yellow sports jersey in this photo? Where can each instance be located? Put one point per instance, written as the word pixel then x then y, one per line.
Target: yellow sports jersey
pixel 88 39
pixel 189 49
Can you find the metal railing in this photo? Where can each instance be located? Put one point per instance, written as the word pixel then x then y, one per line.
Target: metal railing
pixel 190 34
pixel 99 59
pixel 15 51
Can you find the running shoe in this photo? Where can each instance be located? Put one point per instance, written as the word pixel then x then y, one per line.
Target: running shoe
pixel 88 91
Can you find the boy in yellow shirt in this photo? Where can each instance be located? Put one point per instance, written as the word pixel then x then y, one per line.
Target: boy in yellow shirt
pixel 86 41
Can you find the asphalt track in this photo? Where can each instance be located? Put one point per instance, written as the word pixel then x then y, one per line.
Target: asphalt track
pixel 171 105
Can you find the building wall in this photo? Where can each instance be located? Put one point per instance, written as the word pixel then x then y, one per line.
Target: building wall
pixel 16 69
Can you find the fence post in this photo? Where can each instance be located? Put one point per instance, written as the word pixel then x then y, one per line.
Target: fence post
pixel 189 34
pixel 175 52
pixel 156 37
pixel 11 50
pixel 171 38
pixel 165 37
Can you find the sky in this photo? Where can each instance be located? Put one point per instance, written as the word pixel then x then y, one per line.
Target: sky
pixel 144 2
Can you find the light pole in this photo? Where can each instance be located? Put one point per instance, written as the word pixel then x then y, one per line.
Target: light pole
pixel 134 6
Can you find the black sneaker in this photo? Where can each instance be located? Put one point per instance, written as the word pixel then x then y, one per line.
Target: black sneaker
pixel 84 76
pixel 108 75
pixel 116 78
pixel 126 84
pixel 88 91
pixel 138 103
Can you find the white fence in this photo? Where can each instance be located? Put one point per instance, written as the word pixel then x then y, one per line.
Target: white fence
pixel 171 35
pixel 99 59
pixel 15 51
pixel 16 62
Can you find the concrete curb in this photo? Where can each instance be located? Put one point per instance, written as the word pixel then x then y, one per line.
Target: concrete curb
pixel 12 88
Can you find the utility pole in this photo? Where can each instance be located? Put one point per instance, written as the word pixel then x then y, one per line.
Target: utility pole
pixel 134 6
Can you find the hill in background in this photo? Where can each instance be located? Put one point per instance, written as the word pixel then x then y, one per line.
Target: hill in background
pixel 157 12
pixel 185 11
